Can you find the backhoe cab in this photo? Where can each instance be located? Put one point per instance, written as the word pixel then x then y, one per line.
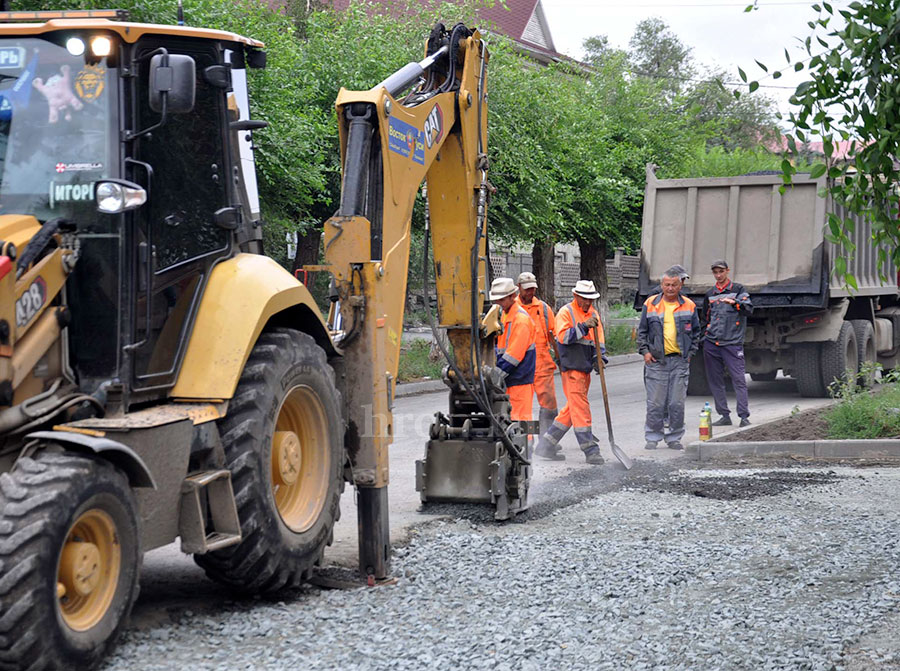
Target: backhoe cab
pixel 159 377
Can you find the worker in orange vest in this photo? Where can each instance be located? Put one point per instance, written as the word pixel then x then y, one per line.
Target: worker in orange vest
pixel 575 325
pixel 515 348
pixel 545 343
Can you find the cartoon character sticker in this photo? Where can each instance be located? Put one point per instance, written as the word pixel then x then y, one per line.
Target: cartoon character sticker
pixel 90 82
pixel 58 92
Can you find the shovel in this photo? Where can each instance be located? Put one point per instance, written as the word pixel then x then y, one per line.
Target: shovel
pixel 623 458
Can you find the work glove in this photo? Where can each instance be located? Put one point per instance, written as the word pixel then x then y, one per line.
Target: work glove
pixel 590 322
pixel 491 322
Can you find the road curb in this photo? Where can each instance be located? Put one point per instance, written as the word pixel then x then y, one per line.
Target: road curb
pixel 814 449
pixel 404 389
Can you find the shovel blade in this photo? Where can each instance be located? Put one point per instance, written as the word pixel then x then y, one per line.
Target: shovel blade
pixel 623 458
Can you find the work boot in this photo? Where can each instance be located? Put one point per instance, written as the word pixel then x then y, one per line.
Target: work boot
pixel 724 420
pixel 675 445
pixel 593 458
pixel 745 421
pixel 651 445
pixel 549 453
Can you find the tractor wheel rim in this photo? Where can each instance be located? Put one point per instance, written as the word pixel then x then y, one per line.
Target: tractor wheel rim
pixel 88 570
pixel 301 461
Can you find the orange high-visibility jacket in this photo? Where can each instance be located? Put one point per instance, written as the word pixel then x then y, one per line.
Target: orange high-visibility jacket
pixel 576 343
pixel 545 329
pixel 515 346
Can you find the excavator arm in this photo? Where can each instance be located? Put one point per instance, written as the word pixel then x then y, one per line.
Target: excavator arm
pixel 427 121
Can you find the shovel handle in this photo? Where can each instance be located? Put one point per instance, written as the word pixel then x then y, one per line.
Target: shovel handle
pixel 601 367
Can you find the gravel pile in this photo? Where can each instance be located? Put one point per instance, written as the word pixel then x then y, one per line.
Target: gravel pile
pixel 631 579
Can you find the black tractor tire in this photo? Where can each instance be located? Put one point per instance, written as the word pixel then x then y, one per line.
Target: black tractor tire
pixel 808 370
pixel 49 502
pixel 697 382
pixel 768 376
pixel 840 358
pixel 272 554
pixel 865 350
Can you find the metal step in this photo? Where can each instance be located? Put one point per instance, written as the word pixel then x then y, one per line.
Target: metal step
pixel 208 516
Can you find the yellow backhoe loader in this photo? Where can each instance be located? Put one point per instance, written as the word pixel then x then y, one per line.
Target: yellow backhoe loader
pixel 162 379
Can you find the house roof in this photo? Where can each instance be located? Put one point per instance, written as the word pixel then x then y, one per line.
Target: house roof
pixel 523 21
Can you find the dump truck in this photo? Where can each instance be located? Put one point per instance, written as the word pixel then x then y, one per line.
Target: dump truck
pixel 160 377
pixel 806 322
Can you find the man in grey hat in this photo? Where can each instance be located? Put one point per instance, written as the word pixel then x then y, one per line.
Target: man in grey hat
pixel 545 343
pixel 724 325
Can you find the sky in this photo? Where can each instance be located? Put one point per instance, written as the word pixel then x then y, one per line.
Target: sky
pixel 720 32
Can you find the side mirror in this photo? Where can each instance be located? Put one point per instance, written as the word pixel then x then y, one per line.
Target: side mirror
pixel 174 75
pixel 256 59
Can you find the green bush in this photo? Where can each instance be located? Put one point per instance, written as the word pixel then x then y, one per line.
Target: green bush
pixel 620 339
pixel 416 362
pixel 623 311
pixel 866 415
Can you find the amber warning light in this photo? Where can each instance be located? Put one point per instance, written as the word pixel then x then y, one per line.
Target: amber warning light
pixel 112 14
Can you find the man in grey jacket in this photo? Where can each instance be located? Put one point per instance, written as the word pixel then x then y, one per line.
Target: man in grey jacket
pixel 724 317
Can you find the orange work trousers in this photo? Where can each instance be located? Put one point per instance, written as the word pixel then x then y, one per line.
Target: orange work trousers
pixel 577 411
pixel 520 396
pixel 545 389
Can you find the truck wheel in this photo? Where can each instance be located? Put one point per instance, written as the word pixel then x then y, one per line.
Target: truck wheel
pixel 764 377
pixel 283 438
pixel 70 555
pixel 808 370
pixel 865 350
pixel 840 357
pixel 697 383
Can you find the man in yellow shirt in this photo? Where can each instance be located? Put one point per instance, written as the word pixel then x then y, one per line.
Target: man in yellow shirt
pixel 668 336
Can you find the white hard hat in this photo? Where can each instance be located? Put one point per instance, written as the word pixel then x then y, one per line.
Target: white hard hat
pixel 585 289
pixel 526 280
pixel 502 287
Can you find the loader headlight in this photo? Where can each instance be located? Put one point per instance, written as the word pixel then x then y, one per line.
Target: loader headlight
pixel 101 46
pixel 117 195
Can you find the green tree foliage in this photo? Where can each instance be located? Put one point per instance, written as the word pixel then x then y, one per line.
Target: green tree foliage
pixel 658 53
pixel 731 122
pixel 717 161
pixel 852 65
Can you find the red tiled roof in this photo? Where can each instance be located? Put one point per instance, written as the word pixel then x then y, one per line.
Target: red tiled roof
pixel 509 18
pixel 840 152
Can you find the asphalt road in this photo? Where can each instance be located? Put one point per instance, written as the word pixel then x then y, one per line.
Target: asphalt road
pixel 167 572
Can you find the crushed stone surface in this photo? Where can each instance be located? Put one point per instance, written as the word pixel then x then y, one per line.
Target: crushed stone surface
pixel 737 568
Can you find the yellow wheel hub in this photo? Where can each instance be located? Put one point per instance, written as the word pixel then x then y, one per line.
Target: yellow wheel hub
pixel 301 461
pixel 285 457
pixel 88 573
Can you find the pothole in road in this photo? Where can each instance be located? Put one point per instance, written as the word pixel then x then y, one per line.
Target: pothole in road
pixel 734 486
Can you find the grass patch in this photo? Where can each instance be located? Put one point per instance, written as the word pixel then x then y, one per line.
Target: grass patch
pixel 623 311
pixel 620 339
pixel 866 414
pixel 416 362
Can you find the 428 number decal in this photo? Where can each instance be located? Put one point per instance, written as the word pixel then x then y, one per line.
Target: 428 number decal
pixel 30 303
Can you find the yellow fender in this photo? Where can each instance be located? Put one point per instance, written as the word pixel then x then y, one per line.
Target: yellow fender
pixel 243 294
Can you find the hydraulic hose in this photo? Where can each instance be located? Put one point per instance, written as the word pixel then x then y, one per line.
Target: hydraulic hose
pixel 482 403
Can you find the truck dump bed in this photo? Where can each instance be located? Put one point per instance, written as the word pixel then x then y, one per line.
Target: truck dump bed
pixel 773 242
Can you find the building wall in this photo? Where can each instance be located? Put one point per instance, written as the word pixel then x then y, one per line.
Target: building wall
pixel 622 272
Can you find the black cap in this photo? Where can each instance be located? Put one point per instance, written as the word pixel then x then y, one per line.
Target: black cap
pixel 719 263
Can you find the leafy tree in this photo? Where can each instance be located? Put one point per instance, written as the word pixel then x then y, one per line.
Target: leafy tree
pixel 851 94
pixel 729 122
pixel 597 50
pixel 657 52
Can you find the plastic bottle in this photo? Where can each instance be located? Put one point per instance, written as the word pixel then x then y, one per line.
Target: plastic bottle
pixel 706 422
